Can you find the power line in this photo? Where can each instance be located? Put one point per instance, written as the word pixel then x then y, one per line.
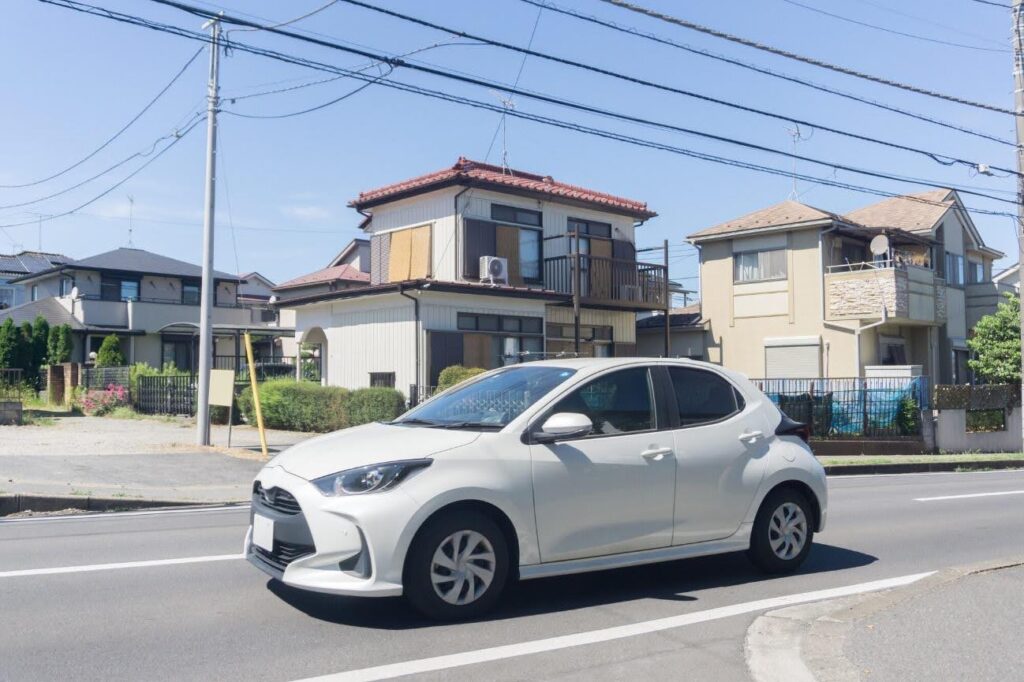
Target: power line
pixel 763 70
pixel 115 135
pixel 935 156
pixel 994 4
pixel 567 125
pixel 806 60
pixel 136 155
pixel 893 31
pixel 115 186
pixel 296 19
pixel 317 107
pixel 955 29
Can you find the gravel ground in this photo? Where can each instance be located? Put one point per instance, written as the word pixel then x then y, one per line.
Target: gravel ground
pixel 73 435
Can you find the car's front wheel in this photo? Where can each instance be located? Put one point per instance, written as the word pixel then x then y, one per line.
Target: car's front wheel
pixel 782 533
pixel 457 566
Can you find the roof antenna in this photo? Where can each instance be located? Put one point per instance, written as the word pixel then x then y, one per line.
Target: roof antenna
pixel 131 215
pixel 798 137
pixel 506 103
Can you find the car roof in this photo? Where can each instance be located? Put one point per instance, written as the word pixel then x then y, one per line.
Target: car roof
pixel 602 363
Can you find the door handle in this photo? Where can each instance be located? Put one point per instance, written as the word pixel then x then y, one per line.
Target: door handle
pixel 750 436
pixel 656 454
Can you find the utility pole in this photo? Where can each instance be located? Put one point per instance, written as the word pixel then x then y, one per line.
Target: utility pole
pixel 206 297
pixel 1018 110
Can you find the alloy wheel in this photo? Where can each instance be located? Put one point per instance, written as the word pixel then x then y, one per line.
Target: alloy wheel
pixel 462 568
pixel 787 531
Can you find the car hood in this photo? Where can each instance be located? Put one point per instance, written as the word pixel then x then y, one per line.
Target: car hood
pixel 367 444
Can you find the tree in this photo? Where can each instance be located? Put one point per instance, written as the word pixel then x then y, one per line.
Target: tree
pixel 25 351
pixel 9 335
pixel 40 338
pixel 110 354
pixel 996 344
pixel 59 344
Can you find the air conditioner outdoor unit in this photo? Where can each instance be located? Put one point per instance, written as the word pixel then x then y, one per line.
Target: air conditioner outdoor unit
pixel 494 269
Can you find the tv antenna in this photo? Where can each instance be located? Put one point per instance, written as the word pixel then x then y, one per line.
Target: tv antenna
pixel 131 216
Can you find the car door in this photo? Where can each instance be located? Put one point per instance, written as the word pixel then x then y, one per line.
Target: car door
pixel 721 442
pixel 611 491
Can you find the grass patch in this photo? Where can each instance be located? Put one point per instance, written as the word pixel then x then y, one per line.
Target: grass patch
pixel 33 419
pixel 81 493
pixel 921 459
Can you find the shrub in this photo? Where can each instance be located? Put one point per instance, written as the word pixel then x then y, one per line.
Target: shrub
pixel 298 406
pixel 97 403
pixel 456 374
pixel 367 405
pixel 59 344
pixel 110 354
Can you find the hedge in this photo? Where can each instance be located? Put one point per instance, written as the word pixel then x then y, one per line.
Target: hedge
pixel 456 374
pixel 976 397
pixel 305 406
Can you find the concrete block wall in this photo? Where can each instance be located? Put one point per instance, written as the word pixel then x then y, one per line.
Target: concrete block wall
pixel 10 412
pixel 951 433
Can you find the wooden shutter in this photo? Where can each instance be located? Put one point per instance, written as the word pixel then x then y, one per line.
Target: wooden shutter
pixel 623 250
pixel 380 247
pixel 419 257
pixel 445 351
pixel 476 350
pixel 601 269
pixel 507 246
pixel 479 241
pixel 401 254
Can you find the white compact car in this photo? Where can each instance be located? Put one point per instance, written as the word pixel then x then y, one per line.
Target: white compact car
pixel 535 470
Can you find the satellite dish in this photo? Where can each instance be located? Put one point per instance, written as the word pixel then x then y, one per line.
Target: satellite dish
pixel 74 292
pixel 880 245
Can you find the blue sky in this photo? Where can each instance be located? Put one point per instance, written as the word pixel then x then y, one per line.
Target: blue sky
pixel 71 80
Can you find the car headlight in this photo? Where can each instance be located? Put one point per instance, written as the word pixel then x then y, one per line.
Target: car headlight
pixel 369 479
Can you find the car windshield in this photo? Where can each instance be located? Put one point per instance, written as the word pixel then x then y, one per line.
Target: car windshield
pixel 490 402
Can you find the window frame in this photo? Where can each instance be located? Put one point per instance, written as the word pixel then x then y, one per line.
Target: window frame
pixel 513 221
pixel 955 262
pixel 188 284
pixel 673 408
pixel 735 266
pixel 655 389
pixel 389 379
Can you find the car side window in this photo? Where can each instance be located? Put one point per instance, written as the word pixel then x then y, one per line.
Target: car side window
pixel 620 402
pixel 703 397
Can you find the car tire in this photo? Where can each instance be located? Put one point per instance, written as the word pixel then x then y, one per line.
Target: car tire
pixel 470 548
pixel 783 532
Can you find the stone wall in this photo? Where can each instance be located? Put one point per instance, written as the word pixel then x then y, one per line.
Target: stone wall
pixel 940 300
pixel 10 412
pixel 859 295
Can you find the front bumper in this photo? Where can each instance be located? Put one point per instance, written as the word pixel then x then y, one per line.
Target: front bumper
pixel 337 545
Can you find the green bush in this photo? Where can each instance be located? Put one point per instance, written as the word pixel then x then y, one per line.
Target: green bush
pixel 298 406
pixel 109 354
pixel 366 405
pixel 456 374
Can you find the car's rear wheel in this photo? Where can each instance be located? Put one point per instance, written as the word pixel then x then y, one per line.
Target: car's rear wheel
pixel 457 566
pixel 782 533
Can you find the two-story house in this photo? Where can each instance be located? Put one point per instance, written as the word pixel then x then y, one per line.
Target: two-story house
pixel 17 265
pixel 795 291
pixel 428 305
pixel 151 302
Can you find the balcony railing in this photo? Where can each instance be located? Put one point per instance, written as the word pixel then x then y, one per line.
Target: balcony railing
pixel 164 301
pixel 609 281
pixel 874 265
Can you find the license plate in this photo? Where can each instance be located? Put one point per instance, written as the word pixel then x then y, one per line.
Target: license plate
pixel 263 532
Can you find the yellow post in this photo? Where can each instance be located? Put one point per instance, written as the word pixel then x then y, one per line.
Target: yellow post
pixel 255 393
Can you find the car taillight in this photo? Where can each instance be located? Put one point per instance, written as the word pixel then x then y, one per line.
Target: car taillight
pixel 790 427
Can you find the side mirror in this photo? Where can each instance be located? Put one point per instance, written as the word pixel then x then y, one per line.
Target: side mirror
pixel 563 426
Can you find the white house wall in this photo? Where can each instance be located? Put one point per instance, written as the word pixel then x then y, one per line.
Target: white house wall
pixel 436 209
pixel 623 323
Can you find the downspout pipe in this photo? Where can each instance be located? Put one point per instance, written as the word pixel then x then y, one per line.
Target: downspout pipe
pixel 858 330
pixel 416 353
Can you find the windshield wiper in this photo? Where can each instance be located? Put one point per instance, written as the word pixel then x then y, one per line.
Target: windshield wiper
pixel 415 422
pixel 470 425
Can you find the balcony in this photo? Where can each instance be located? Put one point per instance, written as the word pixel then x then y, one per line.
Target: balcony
pixel 609 282
pixel 151 314
pixel 909 293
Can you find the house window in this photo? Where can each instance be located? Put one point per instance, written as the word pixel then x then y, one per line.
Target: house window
pixel 382 379
pixel 595 340
pixel 190 293
pixel 893 351
pixel 268 315
pixel 35 292
pixel 6 297
pixel 587 229
pixel 954 269
pixel 518 237
pixel 853 252
pixel 759 266
pixel 66 285
pixel 119 289
pixel 975 272
pixel 511 214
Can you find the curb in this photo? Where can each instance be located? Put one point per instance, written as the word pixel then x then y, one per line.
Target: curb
pixel 922 467
pixel 806 643
pixel 18 502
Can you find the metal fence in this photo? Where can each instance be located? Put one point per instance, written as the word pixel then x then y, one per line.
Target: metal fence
pixel 11 384
pixel 268 368
pixel 175 394
pixel 853 407
pixel 102 377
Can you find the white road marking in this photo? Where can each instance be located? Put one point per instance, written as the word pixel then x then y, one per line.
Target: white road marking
pixel 116 515
pixel 964 497
pixel 836 478
pixel 425 665
pixel 127 564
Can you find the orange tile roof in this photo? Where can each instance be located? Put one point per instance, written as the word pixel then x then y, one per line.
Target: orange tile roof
pixel 345 273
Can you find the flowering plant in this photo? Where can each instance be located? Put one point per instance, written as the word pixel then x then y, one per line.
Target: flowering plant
pixel 97 403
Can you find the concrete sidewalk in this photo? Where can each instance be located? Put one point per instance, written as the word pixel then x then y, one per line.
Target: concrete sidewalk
pixel 960 623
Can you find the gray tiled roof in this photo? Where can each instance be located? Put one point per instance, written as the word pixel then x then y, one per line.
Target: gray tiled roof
pixel 28 262
pixel 144 262
pixel 51 310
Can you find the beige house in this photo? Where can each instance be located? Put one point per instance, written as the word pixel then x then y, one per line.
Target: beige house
pixel 431 300
pixel 795 291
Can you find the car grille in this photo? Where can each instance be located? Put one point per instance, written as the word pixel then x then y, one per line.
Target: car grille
pixel 284 553
pixel 277 499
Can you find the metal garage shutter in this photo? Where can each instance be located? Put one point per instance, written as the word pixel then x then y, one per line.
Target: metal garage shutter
pixel 792 362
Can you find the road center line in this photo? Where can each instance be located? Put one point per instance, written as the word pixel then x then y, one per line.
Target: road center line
pixel 964 497
pixel 127 564
pixel 424 665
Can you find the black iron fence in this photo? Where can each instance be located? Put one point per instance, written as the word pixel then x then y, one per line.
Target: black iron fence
pixel 269 368
pixel 11 384
pixel 167 394
pixel 602 279
pixel 853 407
pixel 102 377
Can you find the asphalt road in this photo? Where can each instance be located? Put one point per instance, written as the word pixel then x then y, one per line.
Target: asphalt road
pixel 221 619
